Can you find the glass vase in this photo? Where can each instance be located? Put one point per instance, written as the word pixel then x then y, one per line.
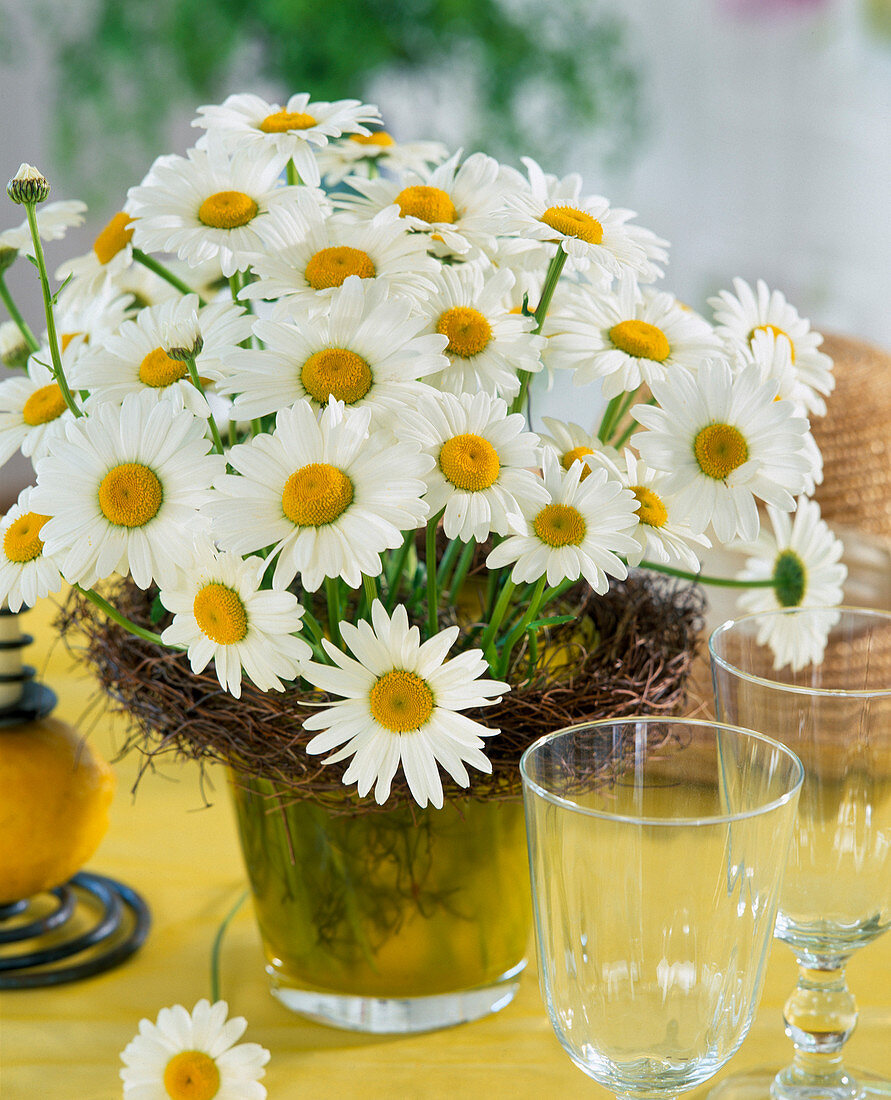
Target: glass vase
pixel 395 920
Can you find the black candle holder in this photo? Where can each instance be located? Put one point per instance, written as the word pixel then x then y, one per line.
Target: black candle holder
pixel 93 922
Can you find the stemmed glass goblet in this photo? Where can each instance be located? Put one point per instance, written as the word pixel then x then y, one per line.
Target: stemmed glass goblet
pixel 835 714
pixel 656 849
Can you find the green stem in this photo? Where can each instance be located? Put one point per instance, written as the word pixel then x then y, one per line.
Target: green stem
pixel 160 270
pixel 13 311
pixel 217 948
pixel 371 592
pixel 497 614
pixel 625 401
pixel 293 174
pixel 395 570
pixel 256 428
pixel 701 578
pixel 520 629
pixel 430 559
pixel 555 593
pixel 234 286
pixel 112 612
pixel 332 592
pixel 55 355
pixel 444 569
pixel 461 571
pixel 555 267
pixel 211 423
pixel 609 416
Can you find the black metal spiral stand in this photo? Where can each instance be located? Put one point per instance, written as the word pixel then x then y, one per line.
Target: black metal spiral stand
pixel 92 923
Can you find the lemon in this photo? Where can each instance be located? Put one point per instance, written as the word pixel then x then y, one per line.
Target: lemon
pixel 55 792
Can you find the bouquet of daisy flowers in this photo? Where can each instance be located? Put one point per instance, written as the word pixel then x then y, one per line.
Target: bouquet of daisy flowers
pixel 297 418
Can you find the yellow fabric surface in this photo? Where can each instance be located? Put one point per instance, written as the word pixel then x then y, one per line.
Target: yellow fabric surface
pixel 64 1043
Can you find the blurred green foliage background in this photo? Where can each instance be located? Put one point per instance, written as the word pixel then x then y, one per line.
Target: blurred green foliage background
pixel 124 68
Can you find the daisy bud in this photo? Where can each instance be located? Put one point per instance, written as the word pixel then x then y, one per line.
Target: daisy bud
pixel 184 352
pixel 28 185
pixel 180 335
pixel 7 257
pixel 14 350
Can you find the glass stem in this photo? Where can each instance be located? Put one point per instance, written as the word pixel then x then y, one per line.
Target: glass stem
pixel 819 1017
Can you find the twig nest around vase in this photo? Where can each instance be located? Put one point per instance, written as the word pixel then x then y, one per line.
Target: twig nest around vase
pixel 855 439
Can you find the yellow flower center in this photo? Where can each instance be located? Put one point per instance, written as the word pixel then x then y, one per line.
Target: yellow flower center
pixel 573 223
pixel 191 1075
pixel 577 454
pixel 22 540
pixel 220 614
pixel 560 525
pixel 331 266
pixel 719 450
pixel 114 237
pixel 66 338
pixel 650 509
pixel 130 495
pixel 381 137
pixel 316 494
pixel 401 701
pixel 430 204
pixel 336 371
pixel 159 370
pixel 469 462
pixel 467 329
pixel 282 121
pixel 227 210
pixel 777 332
pixel 44 405
pixel 640 339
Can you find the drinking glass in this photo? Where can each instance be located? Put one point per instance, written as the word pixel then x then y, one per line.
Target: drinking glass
pixel 656 849
pixel 836 715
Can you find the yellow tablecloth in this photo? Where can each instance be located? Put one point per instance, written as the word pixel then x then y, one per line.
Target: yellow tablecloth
pixel 64 1043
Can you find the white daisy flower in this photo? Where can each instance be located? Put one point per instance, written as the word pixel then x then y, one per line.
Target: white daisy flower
pixel 86 322
pixel 572 443
pixel 33 413
pixel 579 532
pixel 26 573
pixel 587 230
pixel 741 317
pixel 326 494
pixel 54 219
pixel 803 558
pixel 400 706
pixel 454 206
pixel 662 533
pixel 274 134
pixel 481 477
pixel 623 338
pixel 222 615
pixel 367 154
pixel 724 440
pixel 488 345
pixel 186 1056
pixel 134 359
pixel 308 257
pixel 365 348
pixel 123 489
pixel 773 354
pixel 206 206
pixel 178 324
pixel 14 348
pixel 111 254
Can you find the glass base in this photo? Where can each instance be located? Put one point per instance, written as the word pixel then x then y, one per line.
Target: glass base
pixel 397 1015
pixel 756 1085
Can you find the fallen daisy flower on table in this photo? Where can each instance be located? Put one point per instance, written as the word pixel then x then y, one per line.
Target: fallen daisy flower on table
pixel 193 1056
